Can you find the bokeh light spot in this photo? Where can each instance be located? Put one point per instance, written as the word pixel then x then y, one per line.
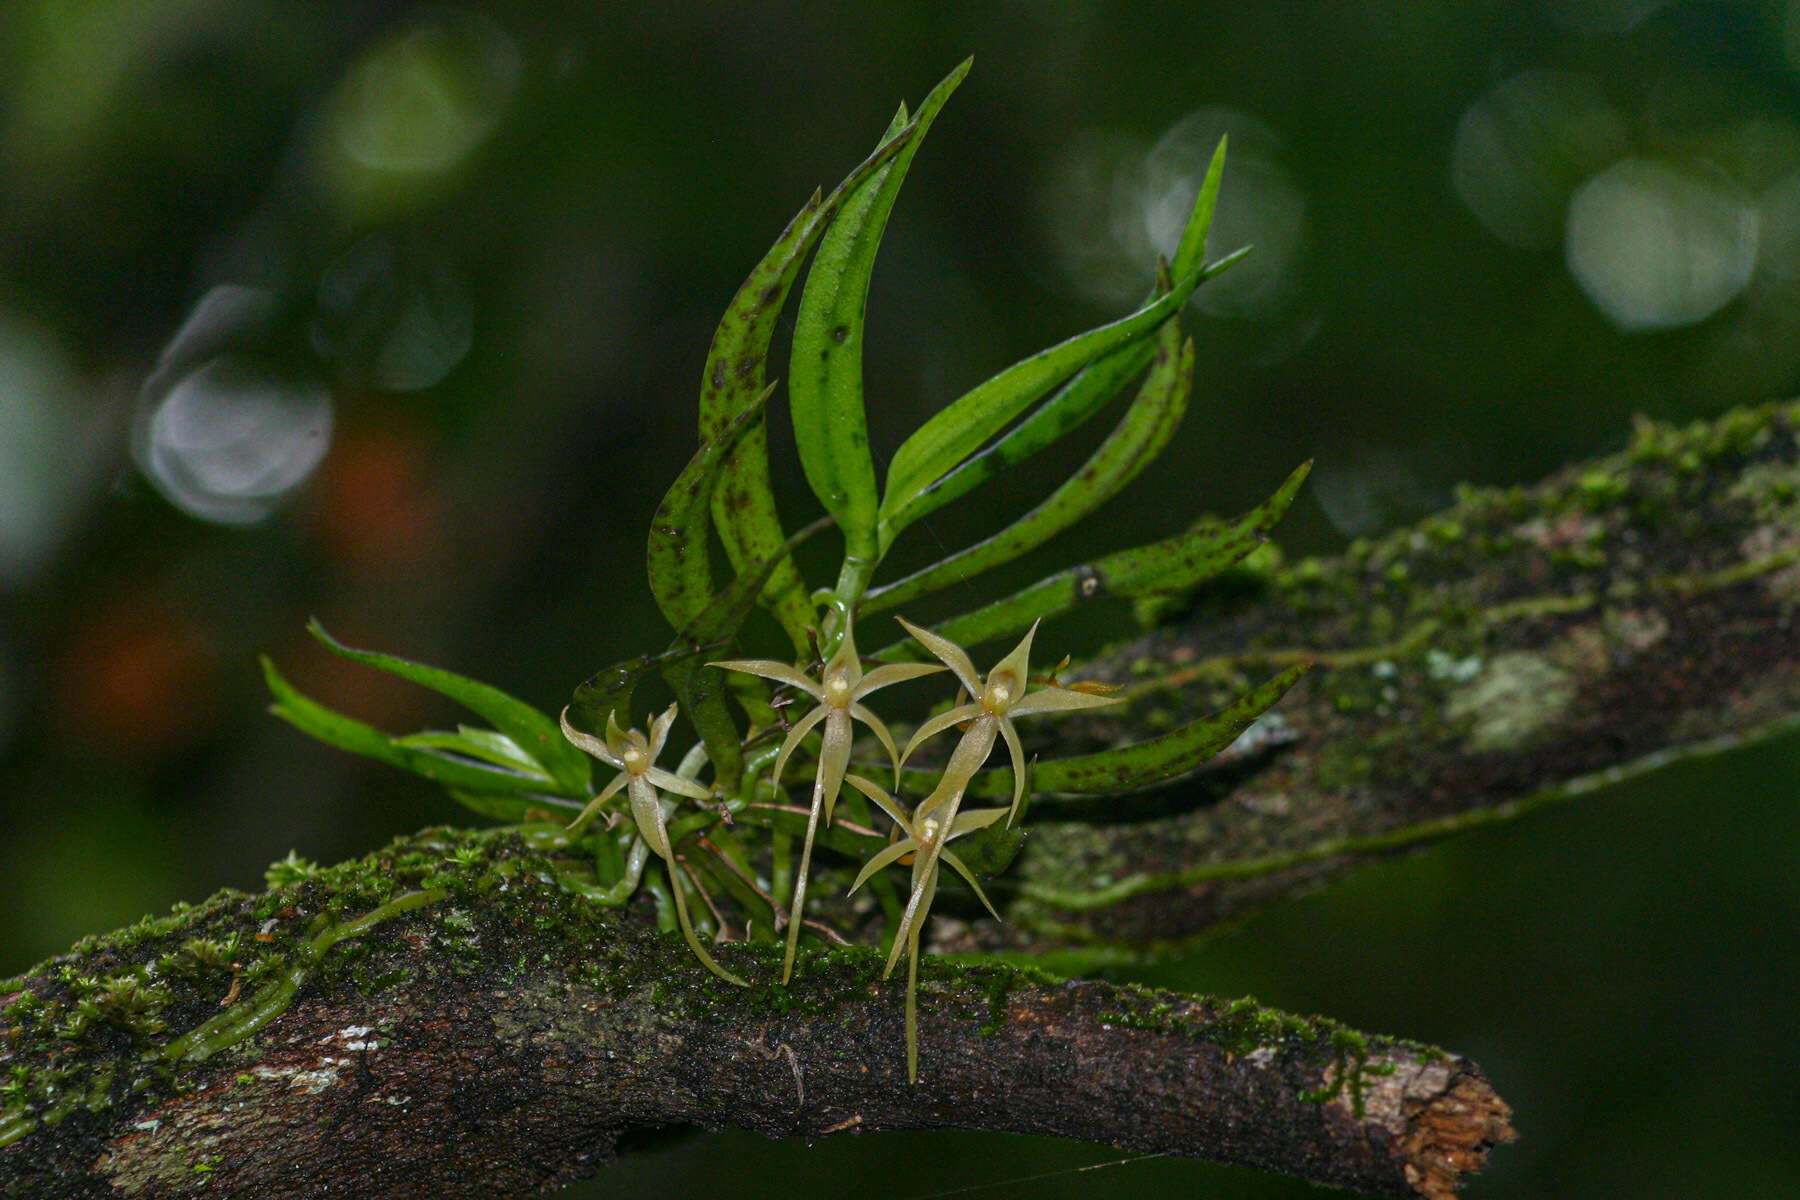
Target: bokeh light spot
pixel 1655 247
pixel 417 104
pixel 1112 206
pixel 401 321
pixel 1259 205
pixel 230 440
pixel 222 431
pixel 39 491
pixel 1521 149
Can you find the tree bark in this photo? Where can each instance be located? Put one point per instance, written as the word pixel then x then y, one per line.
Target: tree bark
pixel 452 1016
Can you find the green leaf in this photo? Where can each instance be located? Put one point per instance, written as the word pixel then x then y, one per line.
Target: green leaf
pixel 534 734
pixel 347 733
pixel 1136 766
pixel 1072 404
pixel 1145 764
pixel 728 610
pixel 609 690
pixel 702 689
pixel 1140 436
pixel 1192 250
pixel 677 558
pixel 517 809
pixel 702 692
pixel 943 442
pixel 1166 566
pixel 483 745
pixel 743 504
pixel 825 386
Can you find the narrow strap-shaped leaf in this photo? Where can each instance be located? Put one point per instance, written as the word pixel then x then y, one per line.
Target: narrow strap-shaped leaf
pixel 1139 437
pixel 729 608
pixel 1136 766
pixel 347 733
pixel 943 442
pixel 677 557
pixel 743 503
pixel 483 745
pixel 702 689
pixel 825 387
pixel 1166 566
pixel 530 730
pixel 516 808
pixel 609 690
pixel 1072 404
pixel 1192 250
pixel 1146 764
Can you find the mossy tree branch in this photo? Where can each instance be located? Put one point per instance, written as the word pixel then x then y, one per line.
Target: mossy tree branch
pixel 467 1025
pixel 453 1017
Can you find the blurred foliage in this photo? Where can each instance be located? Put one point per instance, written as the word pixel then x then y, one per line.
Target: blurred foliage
pixel 424 293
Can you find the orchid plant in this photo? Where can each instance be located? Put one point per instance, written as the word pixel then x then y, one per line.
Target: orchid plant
pixel 727 839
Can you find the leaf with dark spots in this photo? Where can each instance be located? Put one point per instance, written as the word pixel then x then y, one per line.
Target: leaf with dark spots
pixel 1140 436
pixel 676 559
pixel 1170 565
pixel 701 689
pixel 1138 765
pixel 1160 759
pixel 751 528
pixel 825 385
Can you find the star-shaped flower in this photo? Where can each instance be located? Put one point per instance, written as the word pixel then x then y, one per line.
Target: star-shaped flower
pixel 839 690
pixel 994 703
pixel 635 757
pixel 925 839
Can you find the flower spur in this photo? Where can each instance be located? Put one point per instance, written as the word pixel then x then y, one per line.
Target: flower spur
pixel 839 689
pixel 635 757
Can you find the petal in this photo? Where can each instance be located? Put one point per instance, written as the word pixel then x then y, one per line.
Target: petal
pixel 845 658
pixel 975 818
pixel 881 798
pixel 768 668
pixel 668 781
pixel 968 757
pixel 940 723
pixel 593 806
pixel 801 729
pixel 879 729
pixel 969 878
pixel 884 857
pixel 881 677
pixel 1018 766
pixel 834 759
pixel 646 810
pixel 1058 699
pixel 1016 664
pixel 659 730
pixel 952 655
pixel 589 743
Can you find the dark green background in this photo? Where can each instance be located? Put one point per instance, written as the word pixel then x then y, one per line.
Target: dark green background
pixel 1622 968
